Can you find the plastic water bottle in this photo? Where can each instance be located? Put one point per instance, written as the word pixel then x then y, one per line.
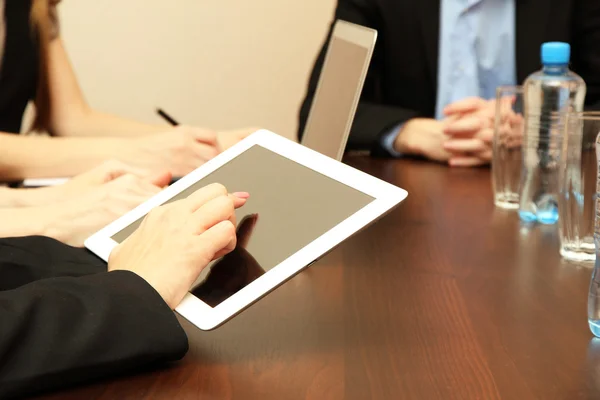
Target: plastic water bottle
pixel 549 94
pixel 594 293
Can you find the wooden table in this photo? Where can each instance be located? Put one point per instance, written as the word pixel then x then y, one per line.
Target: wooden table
pixel 445 298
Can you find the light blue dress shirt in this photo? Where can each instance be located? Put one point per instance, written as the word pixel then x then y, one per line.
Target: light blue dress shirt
pixel 476 53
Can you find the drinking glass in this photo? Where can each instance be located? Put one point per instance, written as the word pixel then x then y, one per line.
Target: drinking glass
pixel 577 186
pixel 507 145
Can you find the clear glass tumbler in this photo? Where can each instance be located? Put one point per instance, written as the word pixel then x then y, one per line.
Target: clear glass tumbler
pixel 577 186
pixel 594 292
pixel 507 146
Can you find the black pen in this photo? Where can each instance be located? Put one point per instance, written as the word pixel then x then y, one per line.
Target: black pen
pixel 171 121
pixel 166 117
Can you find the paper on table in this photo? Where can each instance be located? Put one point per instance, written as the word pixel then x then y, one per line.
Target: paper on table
pixel 44 182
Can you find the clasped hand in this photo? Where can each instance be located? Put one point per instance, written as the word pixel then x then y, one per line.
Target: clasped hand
pixel 462 139
pixel 469 130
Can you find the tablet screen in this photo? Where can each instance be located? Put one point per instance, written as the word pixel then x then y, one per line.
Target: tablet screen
pixel 290 205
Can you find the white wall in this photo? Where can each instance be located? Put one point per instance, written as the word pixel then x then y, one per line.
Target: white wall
pixel 214 63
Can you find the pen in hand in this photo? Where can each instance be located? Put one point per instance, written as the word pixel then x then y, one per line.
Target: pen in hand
pixel 171 121
pixel 166 117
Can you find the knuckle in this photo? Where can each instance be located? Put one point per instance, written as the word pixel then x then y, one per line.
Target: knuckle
pixel 228 203
pixel 130 178
pixel 122 181
pixel 156 213
pixel 107 192
pixel 218 188
pixel 112 195
pixel 229 229
pixel 180 129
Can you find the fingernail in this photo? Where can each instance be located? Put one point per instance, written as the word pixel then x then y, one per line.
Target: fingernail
pixel 241 195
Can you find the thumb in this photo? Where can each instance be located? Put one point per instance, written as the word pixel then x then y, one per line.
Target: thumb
pixel 161 179
pixel 114 174
pixel 205 136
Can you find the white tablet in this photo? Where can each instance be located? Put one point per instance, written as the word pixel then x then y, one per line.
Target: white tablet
pixel 302 204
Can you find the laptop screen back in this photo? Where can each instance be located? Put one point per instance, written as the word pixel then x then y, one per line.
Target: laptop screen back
pixel 338 92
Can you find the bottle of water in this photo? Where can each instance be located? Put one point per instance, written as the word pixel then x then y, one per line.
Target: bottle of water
pixel 549 94
pixel 594 293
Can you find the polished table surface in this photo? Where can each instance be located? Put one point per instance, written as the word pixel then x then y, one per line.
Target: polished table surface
pixel 444 298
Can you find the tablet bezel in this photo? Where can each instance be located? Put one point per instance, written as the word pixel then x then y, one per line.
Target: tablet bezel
pixel 385 195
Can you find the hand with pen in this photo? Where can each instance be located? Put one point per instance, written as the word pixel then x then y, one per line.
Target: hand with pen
pixel 181 149
pixel 226 139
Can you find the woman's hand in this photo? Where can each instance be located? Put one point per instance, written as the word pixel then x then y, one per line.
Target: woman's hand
pixel 76 186
pixel 175 242
pixel 179 150
pixel 226 139
pixel 75 220
pixel 234 271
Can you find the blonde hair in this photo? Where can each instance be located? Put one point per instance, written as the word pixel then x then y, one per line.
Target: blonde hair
pixel 41 31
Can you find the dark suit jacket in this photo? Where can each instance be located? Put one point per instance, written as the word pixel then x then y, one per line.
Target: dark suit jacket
pixel 65 321
pixel 402 80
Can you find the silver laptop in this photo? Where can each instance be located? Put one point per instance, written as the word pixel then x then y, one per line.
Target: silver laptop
pixel 339 88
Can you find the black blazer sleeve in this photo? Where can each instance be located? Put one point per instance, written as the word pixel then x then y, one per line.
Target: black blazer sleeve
pixel 28 259
pixel 373 118
pixel 63 331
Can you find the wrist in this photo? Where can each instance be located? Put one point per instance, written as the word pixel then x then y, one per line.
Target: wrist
pixel 40 196
pixel 112 149
pixel 125 150
pixel 37 221
pixel 20 198
pixel 406 141
pixel 11 198
pixel 49 222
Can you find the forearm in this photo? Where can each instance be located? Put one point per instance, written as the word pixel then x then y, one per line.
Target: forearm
pixel 67 331
pixel 18 198
pixel 26 259
pixel 43 157
pixel 15 198
pixel 19 222
pixel 90 123
pixel 372 122
pixel 70 115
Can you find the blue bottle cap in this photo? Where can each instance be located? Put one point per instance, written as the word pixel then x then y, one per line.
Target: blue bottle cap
pixel 556 53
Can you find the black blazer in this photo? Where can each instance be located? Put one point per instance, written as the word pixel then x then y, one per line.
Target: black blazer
pixel 65 321
pixel 402 80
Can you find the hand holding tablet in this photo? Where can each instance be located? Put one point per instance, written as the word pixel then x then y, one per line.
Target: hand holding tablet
pixel 302 205
pixel 194 232
pixel 232 272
